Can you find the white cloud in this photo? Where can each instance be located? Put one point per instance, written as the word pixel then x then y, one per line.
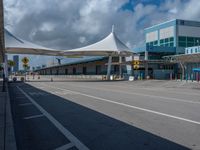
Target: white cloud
pixel 67 24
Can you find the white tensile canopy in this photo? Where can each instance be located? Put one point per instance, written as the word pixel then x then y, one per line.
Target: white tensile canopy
pixel 14 45
pixel 109 46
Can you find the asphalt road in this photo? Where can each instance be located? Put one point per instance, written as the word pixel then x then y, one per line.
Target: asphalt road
pixel 106 115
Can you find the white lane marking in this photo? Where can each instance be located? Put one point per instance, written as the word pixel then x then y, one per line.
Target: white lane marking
pixel 32 117
pixel 145 95
pixel 57 124
pixel 25 104
pixel 21 97
pixel 65 147
pixel 135 107
pixel 162 89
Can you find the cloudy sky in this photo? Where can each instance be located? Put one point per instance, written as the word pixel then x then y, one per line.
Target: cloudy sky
pixel 67 24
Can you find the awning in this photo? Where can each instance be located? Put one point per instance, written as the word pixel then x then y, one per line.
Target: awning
pixel 109 46
pixel 196 69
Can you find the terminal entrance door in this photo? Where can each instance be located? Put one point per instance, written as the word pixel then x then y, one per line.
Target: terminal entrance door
pixel 66 71
pixel 84 70
pixel 98 69
pixel 74 71
pixel 116 69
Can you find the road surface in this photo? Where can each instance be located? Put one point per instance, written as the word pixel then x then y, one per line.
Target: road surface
pixel 106 115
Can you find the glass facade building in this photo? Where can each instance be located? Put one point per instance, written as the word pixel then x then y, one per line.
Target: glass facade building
pixel 177 34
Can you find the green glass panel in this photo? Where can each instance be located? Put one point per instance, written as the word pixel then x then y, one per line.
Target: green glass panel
pixel 171 39
pixel 166 40
pixel 155 43
pixel 166 45
pixel 190 44
pixel 182 44
pixel 190 39
pixel 182 38
pixel 171 44
pixel 161 41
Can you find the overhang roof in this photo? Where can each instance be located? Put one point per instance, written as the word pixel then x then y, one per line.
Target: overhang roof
pixel 18 46
pixel 184 58
pixel 110 45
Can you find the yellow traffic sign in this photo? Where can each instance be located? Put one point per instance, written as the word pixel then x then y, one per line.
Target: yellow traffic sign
pixel 25 60
pixel 25 65
pixel 135 62
pixel 136 67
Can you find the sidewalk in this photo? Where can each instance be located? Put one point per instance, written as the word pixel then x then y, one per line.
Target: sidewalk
pixel 7 138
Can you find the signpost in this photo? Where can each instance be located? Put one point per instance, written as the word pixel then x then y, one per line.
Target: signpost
pixel 25 61
pixel 136 64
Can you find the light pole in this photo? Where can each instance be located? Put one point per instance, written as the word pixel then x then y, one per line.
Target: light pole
pixel 2 44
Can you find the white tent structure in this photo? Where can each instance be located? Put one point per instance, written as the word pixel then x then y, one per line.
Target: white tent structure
pixel 15 45
pixel 109 46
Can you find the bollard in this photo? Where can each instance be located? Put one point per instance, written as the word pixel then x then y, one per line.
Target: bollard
pixel 51 79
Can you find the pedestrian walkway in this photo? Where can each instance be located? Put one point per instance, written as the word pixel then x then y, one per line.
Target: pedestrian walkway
pixel 7 139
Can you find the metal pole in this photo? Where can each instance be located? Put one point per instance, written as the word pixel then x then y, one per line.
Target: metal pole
pixel 2 42
pixel 183 70
pixel 146 64
pixel 120 67
pixel 109 67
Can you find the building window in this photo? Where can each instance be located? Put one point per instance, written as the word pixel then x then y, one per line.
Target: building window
pixel 74 71
pixel 84 70
pixel 171 39
pixel 182 44
pixel 168 42
pixel 182 38
pixel 66 71
pixel 155 43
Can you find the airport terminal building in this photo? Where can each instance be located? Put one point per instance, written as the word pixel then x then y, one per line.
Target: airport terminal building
pixel 173 37
pixel 168 38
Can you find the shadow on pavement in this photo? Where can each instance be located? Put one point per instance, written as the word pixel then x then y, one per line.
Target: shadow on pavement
pixel 96 130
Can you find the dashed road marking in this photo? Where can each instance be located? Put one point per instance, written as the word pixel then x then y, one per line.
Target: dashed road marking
pixel 65 147
pixel 25 104
pixel 57 124
pixel 21 97
pixel 38 93
pixel 32 117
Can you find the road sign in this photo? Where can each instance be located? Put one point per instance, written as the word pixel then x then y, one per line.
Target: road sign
pixel 25 60
pixel 136 62
pixel 136 67
pixel 25 65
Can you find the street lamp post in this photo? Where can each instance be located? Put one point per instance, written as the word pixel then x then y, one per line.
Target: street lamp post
pixel 2 44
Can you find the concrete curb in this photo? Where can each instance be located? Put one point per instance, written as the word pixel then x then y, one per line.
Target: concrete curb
pixel 10 141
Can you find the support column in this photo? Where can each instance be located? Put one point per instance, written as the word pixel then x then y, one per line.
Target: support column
pixel 5 66
pixel 146 64
pixel 120 67
pixel 109 67
pixel 183 70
